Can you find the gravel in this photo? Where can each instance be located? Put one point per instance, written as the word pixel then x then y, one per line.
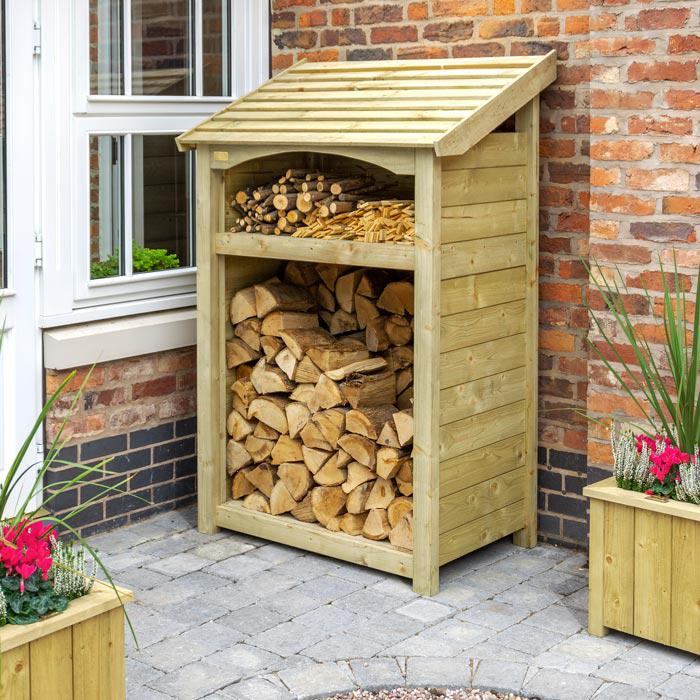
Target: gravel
pixel 427 694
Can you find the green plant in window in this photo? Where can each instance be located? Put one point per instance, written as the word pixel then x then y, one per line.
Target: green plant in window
pixel 143 260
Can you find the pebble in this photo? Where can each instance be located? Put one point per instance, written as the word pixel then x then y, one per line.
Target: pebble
pixel 427 694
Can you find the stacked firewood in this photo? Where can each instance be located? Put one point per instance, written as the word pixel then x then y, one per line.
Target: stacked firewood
pixel 322 422
pixel 317 205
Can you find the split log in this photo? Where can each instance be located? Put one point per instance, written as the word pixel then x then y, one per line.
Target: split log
pixel 327 394
pixel 240 486
pixel 365 310
pixel 244 389
pixel 300 273
pixel 343 322
pixel 361 449
pixel 238 405
pixel 270 410
pixel 398 330
pixel 404 379
pixel 238 352
pixel 381 495
pixel 373 282
pixel 370 389
pixel 296 477
pixel 243 305
pixel 401 535
pixel 326 298
pixel 281 500
pixel 237 456
pixel 315 458
pixel 300 340
pixel 286 450
pixel 357 474
pixel 249 332
pixel 263 477
pixel 278 321
pixel 333 524
pixel 399 358
pixel 398 508
pixel 303 392
pixel 258 448
pixel 352 523
pixel 388 436
pixel 330 474
pixel 281 297
pixel 298 416
pixel 404 478
pixel 371 364
pixel 265 432
pixel 389 461
pixel 376 525
pixel 345 290
pixel 403 420
pixel 307 372
pixel 375 334
pixel 369 421
pixel 331 423
pixel 342 352
pixel 270 345
pixel 397 298
pixel 311 436
pixel 404 400
pixel 329 273
pixel 343 457
pixel 327 502
pixel 286 361
pixel 358 497
pixel 304 511
pixel 257 502
pixel 269 379
pixel 237 426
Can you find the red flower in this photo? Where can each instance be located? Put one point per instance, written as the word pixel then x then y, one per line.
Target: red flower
pixel 25 549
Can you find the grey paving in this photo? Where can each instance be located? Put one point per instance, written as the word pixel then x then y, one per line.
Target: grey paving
pixel 228 616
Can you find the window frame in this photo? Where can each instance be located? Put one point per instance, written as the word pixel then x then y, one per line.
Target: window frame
pixel 69 295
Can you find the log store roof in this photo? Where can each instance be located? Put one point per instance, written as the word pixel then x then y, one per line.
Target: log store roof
pixel 448 105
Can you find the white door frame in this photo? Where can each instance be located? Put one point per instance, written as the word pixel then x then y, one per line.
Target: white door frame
pixel 20 360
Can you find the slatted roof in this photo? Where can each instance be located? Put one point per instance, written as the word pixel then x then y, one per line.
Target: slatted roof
pixel 446 104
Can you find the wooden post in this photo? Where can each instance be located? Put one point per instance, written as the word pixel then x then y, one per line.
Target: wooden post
pixel 426 496
pixel 596 553
pixel 527 122
pixel 210 429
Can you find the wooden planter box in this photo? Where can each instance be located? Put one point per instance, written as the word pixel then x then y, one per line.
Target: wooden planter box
pixel 644 566
pixel 77 654
pixel 475 275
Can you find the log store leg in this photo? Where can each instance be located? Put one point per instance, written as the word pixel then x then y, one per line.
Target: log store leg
pixel 426 439
pixel 210 430
pixel 527 122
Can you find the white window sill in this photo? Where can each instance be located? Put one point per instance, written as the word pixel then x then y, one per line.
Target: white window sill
pixel 103 341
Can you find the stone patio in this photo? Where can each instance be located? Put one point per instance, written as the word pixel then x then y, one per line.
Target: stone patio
pixel 230 616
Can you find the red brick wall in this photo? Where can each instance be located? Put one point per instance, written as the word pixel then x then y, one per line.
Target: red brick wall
pixel 619 164
pixel 141 413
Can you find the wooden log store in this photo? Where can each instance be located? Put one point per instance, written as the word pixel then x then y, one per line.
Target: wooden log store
pixel 367 246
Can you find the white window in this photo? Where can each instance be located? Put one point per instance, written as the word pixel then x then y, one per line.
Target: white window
pixel 118 207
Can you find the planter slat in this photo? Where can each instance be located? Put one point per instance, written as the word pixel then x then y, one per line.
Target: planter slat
pixel 618 612
pixel 644 558
pixel 685 585
pixel 51 665
pixel 14 673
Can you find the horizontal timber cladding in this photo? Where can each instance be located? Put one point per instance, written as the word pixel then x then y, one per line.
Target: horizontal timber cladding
pixel 483 383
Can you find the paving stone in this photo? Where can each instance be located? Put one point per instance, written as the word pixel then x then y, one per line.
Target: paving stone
pixel 558 582
pixel 527 597
pixel 138 579
pixel 620 671
pixel 128 559
pixel 276 553
pixel 580 653
pixel 552 684
pixel 222 549
pixel 492 651
pixel 494 615
pixel 491 581
pixel 388 628
pixel 377 673
pixel 619 691
pixel 577 600
pixel 437 672
pixel 499 675
pixel 367 602
pixel 252 619
pixel 558 618
pixel 195 680
pixel 360 574
pixel 576 564
pixel 142 692
pixel 426 646
pixel 464 634
pixel 238 567
pixel 307 567
pixel 681 686
pixel 166 547
pixel 139 673
pixel 329 617
pixel 290 603
pixel 197 583
pixel 316 679
pixel 693 669
pixel 396 587
pixel 425 610
pixel 343 646
pixel 491 553
pixel 522 565
pixel 245 659
pixel 527 639
pixel 178 564
pixel 256 689
pixel 327 588
pixel 196 611
pixel 288 638
pixel 457 594
pixel 657 656
pixel 149 626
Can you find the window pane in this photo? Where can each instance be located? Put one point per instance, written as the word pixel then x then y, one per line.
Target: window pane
pixel 106 206
pixel 161 47
pixel 3 216
pixel 161 201
pixel 106 47
pixel 215 47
